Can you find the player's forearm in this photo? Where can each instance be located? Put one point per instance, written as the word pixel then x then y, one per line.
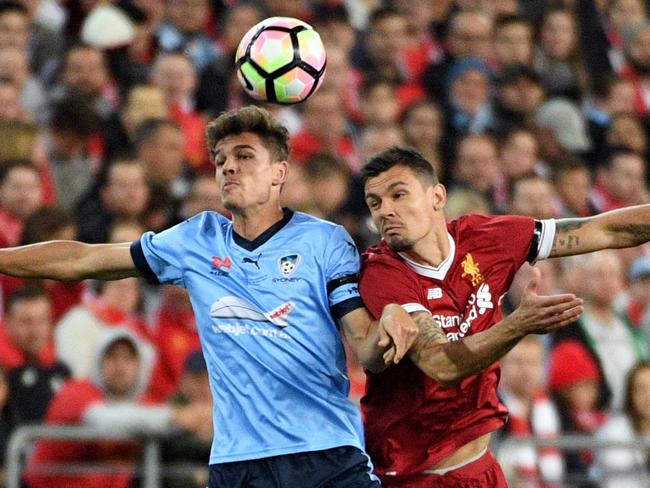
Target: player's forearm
pixel 627 226
pixel 64 260
pixel 367 350
pixel 450 362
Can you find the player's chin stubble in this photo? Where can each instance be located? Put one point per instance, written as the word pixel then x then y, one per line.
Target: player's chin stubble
pixel 399 244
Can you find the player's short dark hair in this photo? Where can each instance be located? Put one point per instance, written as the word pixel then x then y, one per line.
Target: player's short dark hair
pixel 252 119
pixel 26 294
pixel 399 156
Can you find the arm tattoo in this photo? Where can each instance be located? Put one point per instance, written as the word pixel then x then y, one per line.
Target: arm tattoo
pixel 638 233
pixel 430 334
pixel 565 239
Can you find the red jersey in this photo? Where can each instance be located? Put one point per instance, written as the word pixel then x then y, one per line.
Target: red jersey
pixel 412 422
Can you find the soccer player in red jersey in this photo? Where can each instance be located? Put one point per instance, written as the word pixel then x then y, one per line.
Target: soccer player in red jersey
pixel 429 418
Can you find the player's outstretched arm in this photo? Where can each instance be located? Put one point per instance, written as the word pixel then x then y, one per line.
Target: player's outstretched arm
pixel 625 227
pixel 450 362
pixel 69 261
pixel 370 339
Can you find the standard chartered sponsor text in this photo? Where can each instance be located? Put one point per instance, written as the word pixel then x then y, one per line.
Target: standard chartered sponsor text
pixel 241 328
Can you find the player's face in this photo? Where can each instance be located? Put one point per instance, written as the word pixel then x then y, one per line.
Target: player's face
pixel 247 173
pixel 403 208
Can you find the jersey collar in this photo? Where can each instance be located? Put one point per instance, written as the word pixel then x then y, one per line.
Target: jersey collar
pixel 264 236
pixel 436 272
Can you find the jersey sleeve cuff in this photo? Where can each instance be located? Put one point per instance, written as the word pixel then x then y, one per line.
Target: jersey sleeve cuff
pixel 415 307
pixel 343 308
pixel 140 261
pixel 546 239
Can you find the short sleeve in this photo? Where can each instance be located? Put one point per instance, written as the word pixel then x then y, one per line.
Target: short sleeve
pixel 342 263
pixel 159 257
pixel 382 283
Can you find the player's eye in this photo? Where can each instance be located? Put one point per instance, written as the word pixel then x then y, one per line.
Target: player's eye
pixel 244 156
pixel 399 194
pixel 373 204
pixel 219 162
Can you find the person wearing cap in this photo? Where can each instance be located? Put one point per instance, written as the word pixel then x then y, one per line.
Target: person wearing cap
pixel 113 398
pixel 577 384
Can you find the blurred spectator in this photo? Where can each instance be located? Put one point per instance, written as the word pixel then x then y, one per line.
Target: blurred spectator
pixel 627 130
pixel 519 94
pixel 381 52
pixel 636 41
pixel 47 224
pixel 610 96
pixel 621 182
pixel 325 128
pixel 22 27
pixel 21 194
pixel 558 57
pixel 470 35
pixel 85 69
pixel 26 352
pixel 576 382
pixel 423 127
pixel 113 399
pixel 143 102
pixel 607 337
pixel 467 105
pixel 14 68
pixel 379 104
pixel 567 124
pixel 343 78
pixel 175 336
pixel 122 193
pixel 513 40
pixel 182 31
pixel 519 154
pixel 73 162
pixel 465 201
pixel 534 196
pixel 332 22
pixel 175 74
pixel 159 146
pixel 635 303
pixel 376 138
pixel 330 182
pixel 477 167
pixel 572 181
pixel 6 420
pixel 193 388
pixel 531 414
pixel 621 467
pixel 11 109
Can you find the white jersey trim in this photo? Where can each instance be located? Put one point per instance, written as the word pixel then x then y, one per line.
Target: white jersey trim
pixel 436 272
pixel 546 239
pixel 415 307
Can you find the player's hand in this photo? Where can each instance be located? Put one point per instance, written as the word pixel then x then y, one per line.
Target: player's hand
pixel 543 314
pixel 397 330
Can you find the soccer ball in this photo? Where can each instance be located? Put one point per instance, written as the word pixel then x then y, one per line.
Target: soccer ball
pixel 281 60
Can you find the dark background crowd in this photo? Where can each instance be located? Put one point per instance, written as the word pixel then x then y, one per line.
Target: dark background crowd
pixel 530 107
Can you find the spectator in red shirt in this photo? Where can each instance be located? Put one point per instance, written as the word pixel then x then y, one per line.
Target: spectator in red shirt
pixel 112 399
pixel 27 354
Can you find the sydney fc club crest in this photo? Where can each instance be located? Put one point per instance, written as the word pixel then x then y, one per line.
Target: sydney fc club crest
pixel 289 264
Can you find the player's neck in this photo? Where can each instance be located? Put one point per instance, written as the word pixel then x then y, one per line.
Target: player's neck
pixel 431 250
pixel 250 223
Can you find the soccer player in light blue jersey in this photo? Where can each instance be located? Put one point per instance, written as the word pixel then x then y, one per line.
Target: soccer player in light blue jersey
pixel 270 289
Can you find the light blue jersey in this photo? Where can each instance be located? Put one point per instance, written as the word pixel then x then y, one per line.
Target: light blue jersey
pixel 266 312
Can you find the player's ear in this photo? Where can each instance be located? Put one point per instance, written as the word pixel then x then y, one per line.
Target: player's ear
pixel 280 172
pixel 438 197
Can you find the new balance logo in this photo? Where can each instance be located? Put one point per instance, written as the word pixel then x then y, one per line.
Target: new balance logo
pixel 434 293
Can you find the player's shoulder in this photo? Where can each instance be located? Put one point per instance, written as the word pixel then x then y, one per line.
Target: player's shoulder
pixel 302 222
pixel 207 222
pixel 487 226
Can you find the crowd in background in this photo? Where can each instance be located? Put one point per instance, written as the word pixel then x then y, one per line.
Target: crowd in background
pixel 530 107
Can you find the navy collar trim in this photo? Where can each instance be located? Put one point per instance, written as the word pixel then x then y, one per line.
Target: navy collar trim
pixel 264 236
